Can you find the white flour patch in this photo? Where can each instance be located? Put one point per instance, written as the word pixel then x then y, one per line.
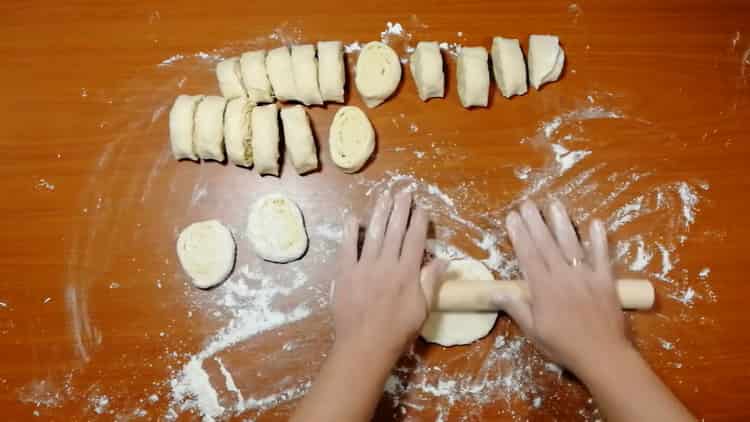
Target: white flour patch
pixel 201 55
pixel 44 184
pixel 352 47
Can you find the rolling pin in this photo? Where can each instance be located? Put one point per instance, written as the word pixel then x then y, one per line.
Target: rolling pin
pixel 474 296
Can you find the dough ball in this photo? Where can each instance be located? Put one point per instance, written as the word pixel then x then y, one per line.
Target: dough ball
pixel 181 124
pixel 426 66
pixel 454 328
pixel 209 128
pixel 298 138
pixel 473 77
pixel 305 70
pixel 264 126
pixel 237 133
pixel 206 251
pixel 279 68
pixel 351 139
pixel 230 78
pixel 276 229
pixel 546 59
pixel 255 77
pixel 378 73
pixel 331 71
pixel 508 66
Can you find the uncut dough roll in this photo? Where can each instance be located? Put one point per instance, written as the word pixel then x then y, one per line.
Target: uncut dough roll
pixel 351 139
pixel 546 59
pixel 209 128
pixel 281 75
pixel 378 72
pixel 264 126
pixel 237 132
pixel 181 125
pixel 508 66
pixel 255 77
pixel 298 139
pixel 276 229
pixel 305 71
pixel 206 251
pixel 473 77
pixel 230 78
pixel 331 71
pixel 426 64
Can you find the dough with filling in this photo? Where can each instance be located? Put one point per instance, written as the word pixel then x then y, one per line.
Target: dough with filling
pixel 426 64
pixel 508 66
pixel 351 139
pixel 281 75
pixel 181 126
pixel 230 78
pixel 237 132
pixel 276 229
pixel 298 139
pixel 209 128
pixel 331 71
pixel 255 77
pixel 378 72
pixel 305 70
pixel 546 59
pixel 206 251
pixel 473 77
pixel 264 126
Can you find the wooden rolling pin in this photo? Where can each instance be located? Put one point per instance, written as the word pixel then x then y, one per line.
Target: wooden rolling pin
pixel 474 296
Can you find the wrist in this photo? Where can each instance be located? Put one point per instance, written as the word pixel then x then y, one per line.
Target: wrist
pixel 608 364
pixel 360 348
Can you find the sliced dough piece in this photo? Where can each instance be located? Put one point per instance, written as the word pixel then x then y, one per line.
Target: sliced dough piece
pixel 181 126
pixel 351 139
pixel 209 128
pixel 230 78
pixel 426 66
pixel 281 75
pixel 453 328
pixel 298 139
pixel 264 126
pixel 276 229
pixel 255 77
pixel 473 77
pixel 305 70
pixel 546 59
pixel 331 72
pixel 206 251
pixel 378 73
pixel 508 66
pixel 237 133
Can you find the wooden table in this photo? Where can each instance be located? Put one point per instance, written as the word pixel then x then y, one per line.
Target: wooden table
pixel 96 317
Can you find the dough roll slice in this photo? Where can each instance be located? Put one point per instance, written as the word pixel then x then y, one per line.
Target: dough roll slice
pixel 473 77
pixel 209 128
pixel 546 59
pixel 305 70
pixel 298 139
pixel 378 72
pixel 181 126
pixel 331 71
pixel 280 73
pixel 237 131
pixel 255 77
pixel 508 66
pixel 264 126
pixel 230 78
pixel 351 139
pixel 426 64
pixel 276 229
pixel 207 252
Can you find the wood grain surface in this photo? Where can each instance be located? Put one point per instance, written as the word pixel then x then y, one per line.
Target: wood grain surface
pixel 97 319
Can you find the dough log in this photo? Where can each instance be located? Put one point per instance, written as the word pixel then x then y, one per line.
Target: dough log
pixel 181 125
pixel 508 66
pixel 264 126
pixel 281 75
pixel 255 77
pixel 298 139
pixel 237 133
pixel 331 71
pixel 546 59
pixel 473 77
pixel 351 139
pixel 305 71
pixel 230 78
pixel 378 72
pixel 209 128
pixel 426 66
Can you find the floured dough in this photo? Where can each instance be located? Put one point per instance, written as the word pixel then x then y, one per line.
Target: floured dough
pixel 206 251
pixel 378 73
pixel 546 59
pixel 181 125
pixel 331 74
pixel 473 77
pixel 508 66
pixel 264 126
pixel 426 66
pixel 305 70
pixel 209 128
pixel 230 78
pixel 255 77
pixel 454 328
pixel 279 68
pixel 351 139
pixel 276 229
pixel 237 133
pixel 298 139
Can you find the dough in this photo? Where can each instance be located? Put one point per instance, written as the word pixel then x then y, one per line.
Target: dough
pixel 230 78
pixel 209 128
pixel 181 124
pixel 331 73
pixel 426 66
pixel 276 229
pixel 237 133
pixel 254 76
pixel 508 66
pixel 378 73
pixel 351 139
pixel 453 328
pixel 264 126
pixel 473 77
pixel 279 68
pixel 546 59
pixel 298 139
pixel 206 251
pixel 305 71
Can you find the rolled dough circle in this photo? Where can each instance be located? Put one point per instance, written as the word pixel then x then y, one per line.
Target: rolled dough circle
pixel 377 73
pixel 206 251
pixel 276 229
pixel 454 328
pixel 351 139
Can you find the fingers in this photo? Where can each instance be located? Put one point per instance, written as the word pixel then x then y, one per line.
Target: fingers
pixel 348 249
pixel 529 259
pixel 431 278
pixel 376 228
pixel 541 235
pixel 564 232
pixel 394 235
pixel 518 309
pixel 599 248
pixel 414 242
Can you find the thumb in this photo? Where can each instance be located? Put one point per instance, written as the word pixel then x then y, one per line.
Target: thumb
pixel 431 277
pixel 518 309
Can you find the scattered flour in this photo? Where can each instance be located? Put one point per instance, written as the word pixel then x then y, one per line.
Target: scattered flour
pixel 352 47
pixel 44 184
